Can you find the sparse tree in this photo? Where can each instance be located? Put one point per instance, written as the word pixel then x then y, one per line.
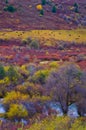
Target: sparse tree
pixel 43 2
pixel 12 74
pixel 42 12
pixel 54 9
pixel 67 85
pixel 76 7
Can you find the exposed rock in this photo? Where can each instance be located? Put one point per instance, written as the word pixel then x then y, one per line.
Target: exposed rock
pixel 2 109
pixel 56 107
pixel 73 111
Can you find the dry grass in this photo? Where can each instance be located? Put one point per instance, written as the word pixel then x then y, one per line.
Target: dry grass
pixel 78 35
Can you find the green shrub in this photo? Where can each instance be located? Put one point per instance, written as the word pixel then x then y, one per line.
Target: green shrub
pixel 2 72
pixel 54 9
pixel 6 1
pixel 27 41
pixel 12 74
pixel 42 12
pixel 76 5
pixel 34 44
pixel 76 10
pixel 24 42
pixel 41 76
pixel 43 2
pixel 10 8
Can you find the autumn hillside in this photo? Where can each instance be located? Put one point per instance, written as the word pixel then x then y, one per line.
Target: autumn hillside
pixel 53 14
pixel 42 64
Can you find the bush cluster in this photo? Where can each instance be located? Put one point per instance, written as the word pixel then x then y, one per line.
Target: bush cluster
pixel 10 8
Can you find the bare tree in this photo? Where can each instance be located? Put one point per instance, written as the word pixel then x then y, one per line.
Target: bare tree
pixel 67 85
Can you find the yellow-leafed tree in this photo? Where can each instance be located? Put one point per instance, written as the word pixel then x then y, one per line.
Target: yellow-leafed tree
pixel 39 7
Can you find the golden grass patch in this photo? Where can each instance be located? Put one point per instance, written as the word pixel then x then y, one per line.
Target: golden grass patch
pixel 78 35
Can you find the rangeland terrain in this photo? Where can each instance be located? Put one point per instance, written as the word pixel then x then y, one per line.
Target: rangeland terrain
pixel 27 16
pixel 42 64
pixel 53 45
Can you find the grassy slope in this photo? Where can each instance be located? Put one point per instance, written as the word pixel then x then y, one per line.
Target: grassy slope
pixel 78 35
pixel 59 123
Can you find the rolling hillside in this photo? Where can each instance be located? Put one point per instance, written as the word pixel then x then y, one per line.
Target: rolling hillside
pixel 26 15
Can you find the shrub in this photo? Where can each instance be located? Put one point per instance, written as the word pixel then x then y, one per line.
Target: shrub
pixel 53 64
pixel 40 76
pixel 17 111
pixel 76 10
pixel 5 81
pixel 30 89
pixel 42 12
pixel 10 8
pixel 24 42
pixel 12 74
pixel 54 9
pixel 34 44
pixel 2 72
pixel 24 71
pixel 2 91
pixel 27 88
pixel 41 99
pixel 43 2
pixel 14 97
pixel 27 41
pixel 80 57
pixel 6 1
pixel 39 7
pixel 76 5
